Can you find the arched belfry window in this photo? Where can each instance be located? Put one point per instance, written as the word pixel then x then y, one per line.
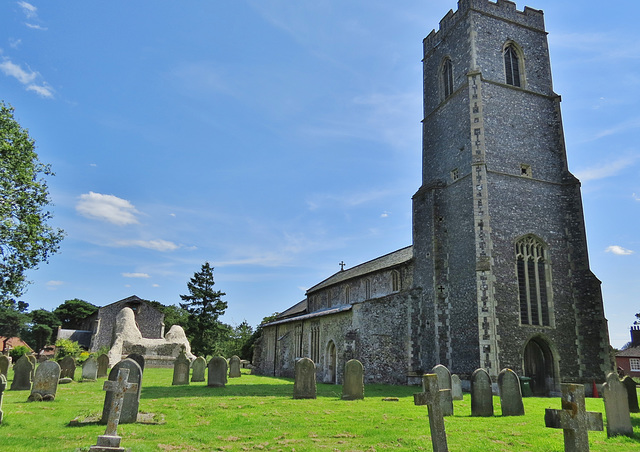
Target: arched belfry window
pixel 447 77
pixel 533 270
pixel 512 62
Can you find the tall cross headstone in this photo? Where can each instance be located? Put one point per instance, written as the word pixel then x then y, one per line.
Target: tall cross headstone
pixel 432 397
pixel 3 386
pixel 110 441
pixel 573 419
pixel 129 412
pixel 616 405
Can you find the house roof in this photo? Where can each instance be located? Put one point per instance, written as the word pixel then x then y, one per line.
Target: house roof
pixel 323 312
pixel 393 259
pixel 13 342
pixel 631 352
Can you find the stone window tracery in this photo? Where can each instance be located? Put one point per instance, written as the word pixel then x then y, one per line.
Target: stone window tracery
pixel 533 273
pixel 447 77
pixel 512 61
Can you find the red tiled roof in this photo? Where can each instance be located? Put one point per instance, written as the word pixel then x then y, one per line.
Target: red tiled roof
pixel 13 342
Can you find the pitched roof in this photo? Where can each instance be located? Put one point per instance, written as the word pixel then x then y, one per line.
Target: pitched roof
pixel 13 342
pixel 320 313
pixel 631 352
pixel 387 261
pixel 296 309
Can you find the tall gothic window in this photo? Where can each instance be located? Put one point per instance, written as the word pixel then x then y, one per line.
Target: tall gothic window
pixel 512 65
pixel 447 78
pixel 533 270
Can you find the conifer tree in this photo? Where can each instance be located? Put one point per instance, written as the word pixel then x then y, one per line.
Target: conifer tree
pixel 204 306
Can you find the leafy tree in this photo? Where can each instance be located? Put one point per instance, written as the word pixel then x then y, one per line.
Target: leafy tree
pixel 173 315
pixel 67 347
pixel 72 312
pixel 12 319
pixel 204 306
pixel 25 237
pixel 17 352
pixel 238 337
pixel 40 328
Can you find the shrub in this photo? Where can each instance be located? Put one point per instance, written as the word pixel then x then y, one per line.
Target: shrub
pixel 66 347
pixel 17 351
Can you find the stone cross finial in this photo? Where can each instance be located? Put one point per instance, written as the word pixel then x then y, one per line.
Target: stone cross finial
pixel 110 440
pixel 573 419
pixel 341 264
pixel 432 398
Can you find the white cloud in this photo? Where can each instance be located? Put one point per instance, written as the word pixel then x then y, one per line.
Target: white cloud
pixel 620 251
pixel 14 43
pixel 13 70
pixel 636 197
pixel 605 170
pixel 384 215
pixel 136 275
pixel 29 10
pixel 43 90
pixel 158 245
pixel 36 27
pixel 107 208
pixel 53 285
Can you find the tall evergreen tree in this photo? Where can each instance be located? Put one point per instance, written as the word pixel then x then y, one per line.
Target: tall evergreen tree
pixel 204 306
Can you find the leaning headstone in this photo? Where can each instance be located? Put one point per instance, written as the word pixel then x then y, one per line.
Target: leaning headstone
pixel 137 357
pixel 68 367
pixel 45 381
pixel 217 372
pixel 481 394
pixel 22 374
pixel 432 397
pixel 616 406
pixel 234 367
pixel 444 382
pixel 131 400
pixel 197 369
pixel 3 386
pixel 118 388
pixel 90 369
pixel 353 387
pixel 510 393
pixel 5 362
pixel 456 388
pixel 103 366
pixel 632 394
pixel 181 369
pixel 304 384
pixel 573 419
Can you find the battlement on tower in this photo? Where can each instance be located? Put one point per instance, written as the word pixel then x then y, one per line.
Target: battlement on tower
pixel 503 9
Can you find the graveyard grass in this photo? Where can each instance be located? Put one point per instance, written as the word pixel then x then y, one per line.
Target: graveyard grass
pixel 259 413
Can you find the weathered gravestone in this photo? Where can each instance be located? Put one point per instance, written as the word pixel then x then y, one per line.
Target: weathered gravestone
pixel 22 374
pixel 68 367
pixel 45 381
pixel 456 388
pixel 131 401
pixel 5 362
pixel 118 388
pixel 32 359
pixel 510 393
pixel 217 372
pixel 353 387
pixel 137 357
pixel 103 366
pixel 573 419
pixel 181 369
pixel 432 397
pixel 616 406
pixel 90 369
pixel 3 386
pixel 234 367
pixel 632 394
pixel 481 394
pixel 197 369
pixel 444 382
pixel 304 384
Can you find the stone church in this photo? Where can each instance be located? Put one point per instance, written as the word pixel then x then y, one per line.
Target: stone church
pixel 498 274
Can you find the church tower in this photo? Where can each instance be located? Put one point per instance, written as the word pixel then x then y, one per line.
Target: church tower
pixel 499 243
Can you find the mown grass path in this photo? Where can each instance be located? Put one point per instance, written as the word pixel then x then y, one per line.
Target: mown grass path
pixel 258 413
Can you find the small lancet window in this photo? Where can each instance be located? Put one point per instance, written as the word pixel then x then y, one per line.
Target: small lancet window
pixel 395 280
pixel 512 65
pixel 447 77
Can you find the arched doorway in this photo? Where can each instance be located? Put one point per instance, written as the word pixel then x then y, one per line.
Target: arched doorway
pixel 539 365
pixel 332 364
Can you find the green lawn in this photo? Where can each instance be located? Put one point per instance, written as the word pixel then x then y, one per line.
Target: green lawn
pixel 255 412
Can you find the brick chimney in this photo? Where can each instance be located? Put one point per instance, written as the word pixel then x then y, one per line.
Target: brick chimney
pixel 635 336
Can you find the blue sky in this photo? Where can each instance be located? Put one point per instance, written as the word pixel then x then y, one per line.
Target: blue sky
pixel 275 139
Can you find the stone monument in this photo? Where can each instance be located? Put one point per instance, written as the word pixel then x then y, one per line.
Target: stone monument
pixel 131 401
pixel 616 405
pixel 304 385
pixel 353 387
pixel 234 367
pixel 217 375
pixel 510 393
pixel 45 381
pixel 181 369
pixel 481 394
pixel 198 369
pixel 432 397
pixel 22 374
pixel 90 369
